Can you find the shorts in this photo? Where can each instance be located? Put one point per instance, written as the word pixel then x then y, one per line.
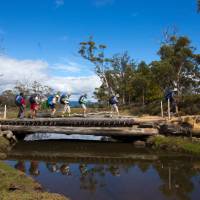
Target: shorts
pixel 52 106
pixel 83 106
pixel 34 106
pixel 67 108
pixel 114 106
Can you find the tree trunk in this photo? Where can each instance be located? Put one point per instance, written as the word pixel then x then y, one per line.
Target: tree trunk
pixel 143 98
pixel 129 99
pixel 123 98
pixel 104 80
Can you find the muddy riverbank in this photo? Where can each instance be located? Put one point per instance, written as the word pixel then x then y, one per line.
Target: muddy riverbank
pixel 16 185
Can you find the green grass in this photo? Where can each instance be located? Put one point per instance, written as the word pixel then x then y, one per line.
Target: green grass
pixel 177 144
pixel 16 185
pixel 4 145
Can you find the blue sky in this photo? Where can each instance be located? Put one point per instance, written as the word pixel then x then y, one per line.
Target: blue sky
pixel 50 30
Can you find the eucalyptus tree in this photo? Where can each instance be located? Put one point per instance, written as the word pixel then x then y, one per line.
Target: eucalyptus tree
pixel 141 81
pixel 93 52
pixel 123 69
pixel 40 89
pixel 179 65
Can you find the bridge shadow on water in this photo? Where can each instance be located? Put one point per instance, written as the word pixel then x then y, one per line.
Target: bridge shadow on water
pixel 107 170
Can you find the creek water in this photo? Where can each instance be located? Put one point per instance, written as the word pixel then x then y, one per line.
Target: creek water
pixel 99 170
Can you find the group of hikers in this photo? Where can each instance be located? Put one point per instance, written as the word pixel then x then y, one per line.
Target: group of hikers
pixel 64 100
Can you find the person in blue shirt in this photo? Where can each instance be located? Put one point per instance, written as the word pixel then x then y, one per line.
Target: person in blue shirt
pixel 52 101
pixel 171 95
pixel 21 104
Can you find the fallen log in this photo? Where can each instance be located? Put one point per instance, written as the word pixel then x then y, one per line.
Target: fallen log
pixel 97 131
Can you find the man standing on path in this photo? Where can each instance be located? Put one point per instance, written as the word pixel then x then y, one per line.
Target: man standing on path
pixel 171 95
pixel 82 102
pixel 113 101
pixel 21 104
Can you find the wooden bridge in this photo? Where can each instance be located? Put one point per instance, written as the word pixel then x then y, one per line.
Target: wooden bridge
pixel 83 126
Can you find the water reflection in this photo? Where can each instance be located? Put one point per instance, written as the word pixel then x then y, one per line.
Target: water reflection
pixel 176 176
pixel 20 165
pixel 64 169
pixel 166 177
pixel 34 168
pixel 177 179
pixel 52 136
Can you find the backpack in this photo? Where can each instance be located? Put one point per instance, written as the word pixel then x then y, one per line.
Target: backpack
pixel 112 100
pixel 63 99
pixel 32 99
pixel 50 100
pixel 82 100
pixel 168 95
pixel 18 100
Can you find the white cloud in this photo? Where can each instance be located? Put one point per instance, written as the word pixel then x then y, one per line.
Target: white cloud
pixel 59 3
pixel 75 85
pixel 14 70
pixel 68 67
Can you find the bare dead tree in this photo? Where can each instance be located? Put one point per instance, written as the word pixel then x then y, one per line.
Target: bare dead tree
pixel 168 33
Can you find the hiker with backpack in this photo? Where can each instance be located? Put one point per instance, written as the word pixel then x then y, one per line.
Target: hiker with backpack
pixel 51 102
pixel 83 101
pixel 21 104
pixel 171 95
pixel 34 101
pixel 64 100
pixel 113 101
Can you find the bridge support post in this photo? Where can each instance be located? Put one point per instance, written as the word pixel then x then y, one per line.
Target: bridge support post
pixel 5 112
pixel 169 110
pixel 161 107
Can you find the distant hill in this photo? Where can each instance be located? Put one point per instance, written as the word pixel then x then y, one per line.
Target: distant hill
pixel 74 104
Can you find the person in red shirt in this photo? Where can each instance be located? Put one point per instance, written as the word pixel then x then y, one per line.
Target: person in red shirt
pixel 34 101
pixel 21 104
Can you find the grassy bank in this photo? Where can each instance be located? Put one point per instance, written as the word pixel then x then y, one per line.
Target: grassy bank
pixel 177 144
pixel 16 185
pixel 4 146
